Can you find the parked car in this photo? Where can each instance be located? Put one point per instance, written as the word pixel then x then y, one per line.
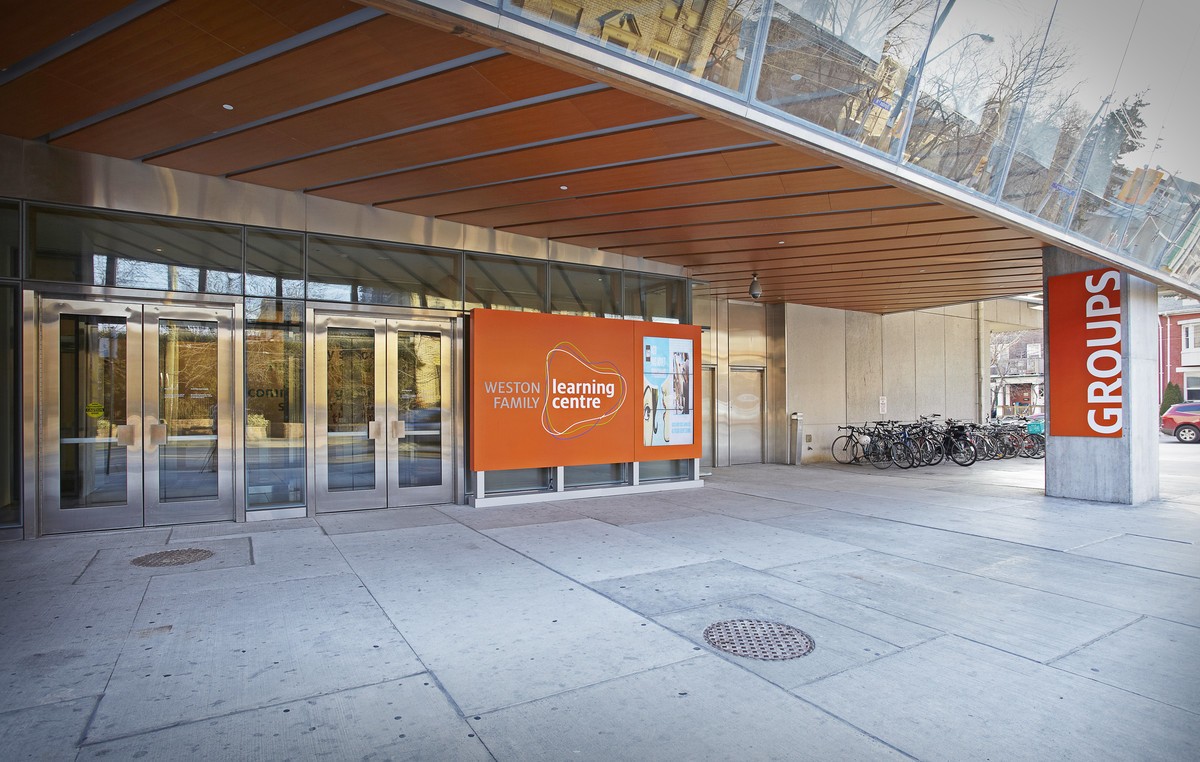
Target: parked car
pixel 1182 421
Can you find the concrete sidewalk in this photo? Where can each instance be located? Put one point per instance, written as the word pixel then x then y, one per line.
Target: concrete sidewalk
pixel 957 613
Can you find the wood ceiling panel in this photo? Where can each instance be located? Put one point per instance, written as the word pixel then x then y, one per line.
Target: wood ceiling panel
pixel 155 50
pixel 849 253
pixel 923 260
pixel 632 145
pixel 667 252
pixel 405 106
pixel 345 61
pixel 743 210
pixel 588 181
pixel 825 276
pixel 547 121
pixel 29 28
pixel 630 240
pixel 716 191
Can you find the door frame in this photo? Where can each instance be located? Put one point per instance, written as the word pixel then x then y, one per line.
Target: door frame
pixel 102 300
pixel 450 325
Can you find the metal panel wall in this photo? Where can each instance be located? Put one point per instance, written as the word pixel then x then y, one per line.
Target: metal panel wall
pixel 746 416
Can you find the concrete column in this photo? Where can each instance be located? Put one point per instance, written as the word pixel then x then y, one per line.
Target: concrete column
pixel 1111 469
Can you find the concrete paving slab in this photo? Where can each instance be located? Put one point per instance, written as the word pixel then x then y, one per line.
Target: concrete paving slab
pixel 1147 553
pixel 744 542
pixel 704 584
pixel 397 720
pixel 1004 707
pixel 1167 521
pixel 278 556
pixel 54 561
pixel 192 532
pixel 836 647
pixel 1036 625
pixel 47 732
pixel 1150 657
pixel 508 515
pixel 702 709
pixel 211 652
pixel 620 510
pixel 734 505
pixel 590 550
pixel 116 564
pixel 497 628
pixel 62 643
pixel 376 521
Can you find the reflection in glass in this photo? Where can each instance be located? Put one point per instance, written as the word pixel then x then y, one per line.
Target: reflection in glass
pixel 706 40
pixel 658 297
pixel 93 361
pixel 109 249
pixel 343 270
pixel 10 239
pixel 10 458
pixel 187 370
pixel 605 475
pixel 584 291
pixel 844 64
pixel 419 399
pixel 664 470
pixel 519 480
pixel 350 401
pixel 275 446
pixel 501 283
pixel 274 263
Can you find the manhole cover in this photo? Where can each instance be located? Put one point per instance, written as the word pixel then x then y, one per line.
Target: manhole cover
pixel 173 557
pixel 756 639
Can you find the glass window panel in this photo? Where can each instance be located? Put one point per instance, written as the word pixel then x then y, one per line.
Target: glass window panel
pixel 584 291
pixel 92 403
pixel 651 297
pixel 605 475
pixel 519 480
pixel 664 470
pixel 188 461
pixel 10 239
pixel 350 401
pixel 505 284
pixel 419 400
pixel 985 70
pixel 705 40
pixel 274 263
pixel 106 249
pixel 844 64
pixel 1137 165
pixel 370 272
pixel 10 422
pixel 275 447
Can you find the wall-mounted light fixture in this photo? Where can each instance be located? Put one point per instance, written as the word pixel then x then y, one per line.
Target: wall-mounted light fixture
pixel 755 287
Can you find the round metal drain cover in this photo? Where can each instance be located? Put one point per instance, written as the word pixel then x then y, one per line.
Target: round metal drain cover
pixel 173 557
pixel 756 639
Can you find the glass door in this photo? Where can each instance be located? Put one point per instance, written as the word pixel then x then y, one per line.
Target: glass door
pixel 381 391
pixel 188 414
pixel 136 415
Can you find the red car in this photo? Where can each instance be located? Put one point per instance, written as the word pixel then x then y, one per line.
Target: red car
pixel 1182 421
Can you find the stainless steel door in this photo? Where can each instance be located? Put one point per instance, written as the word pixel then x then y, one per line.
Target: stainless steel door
pixel 745 416
pixel 136 422
pixel 188 406
pixel 382 413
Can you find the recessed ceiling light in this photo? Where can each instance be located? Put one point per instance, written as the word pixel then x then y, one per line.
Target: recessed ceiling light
pixel 562 187
pixel 227 106
pixel 782 243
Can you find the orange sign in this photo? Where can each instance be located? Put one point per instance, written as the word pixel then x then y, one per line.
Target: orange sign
pixel 558 390
pixel 1084 354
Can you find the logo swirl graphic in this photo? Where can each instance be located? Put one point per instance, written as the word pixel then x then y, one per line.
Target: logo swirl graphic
pixel 602 395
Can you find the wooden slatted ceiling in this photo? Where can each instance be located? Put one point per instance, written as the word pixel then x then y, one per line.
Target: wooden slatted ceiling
pixel 389 112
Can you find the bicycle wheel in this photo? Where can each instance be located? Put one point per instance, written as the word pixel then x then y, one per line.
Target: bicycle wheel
pixel 1039 450
pixel 877 453
pixel 843 450
pixel 963 452
pixel 931 451
pixel 902 454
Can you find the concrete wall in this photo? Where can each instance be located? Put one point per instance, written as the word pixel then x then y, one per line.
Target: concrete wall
pixel 840 363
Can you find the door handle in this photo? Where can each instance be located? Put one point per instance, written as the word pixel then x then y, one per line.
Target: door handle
pixel 126 435
pixel 158 433
pixel 397 430
pixel 374 429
